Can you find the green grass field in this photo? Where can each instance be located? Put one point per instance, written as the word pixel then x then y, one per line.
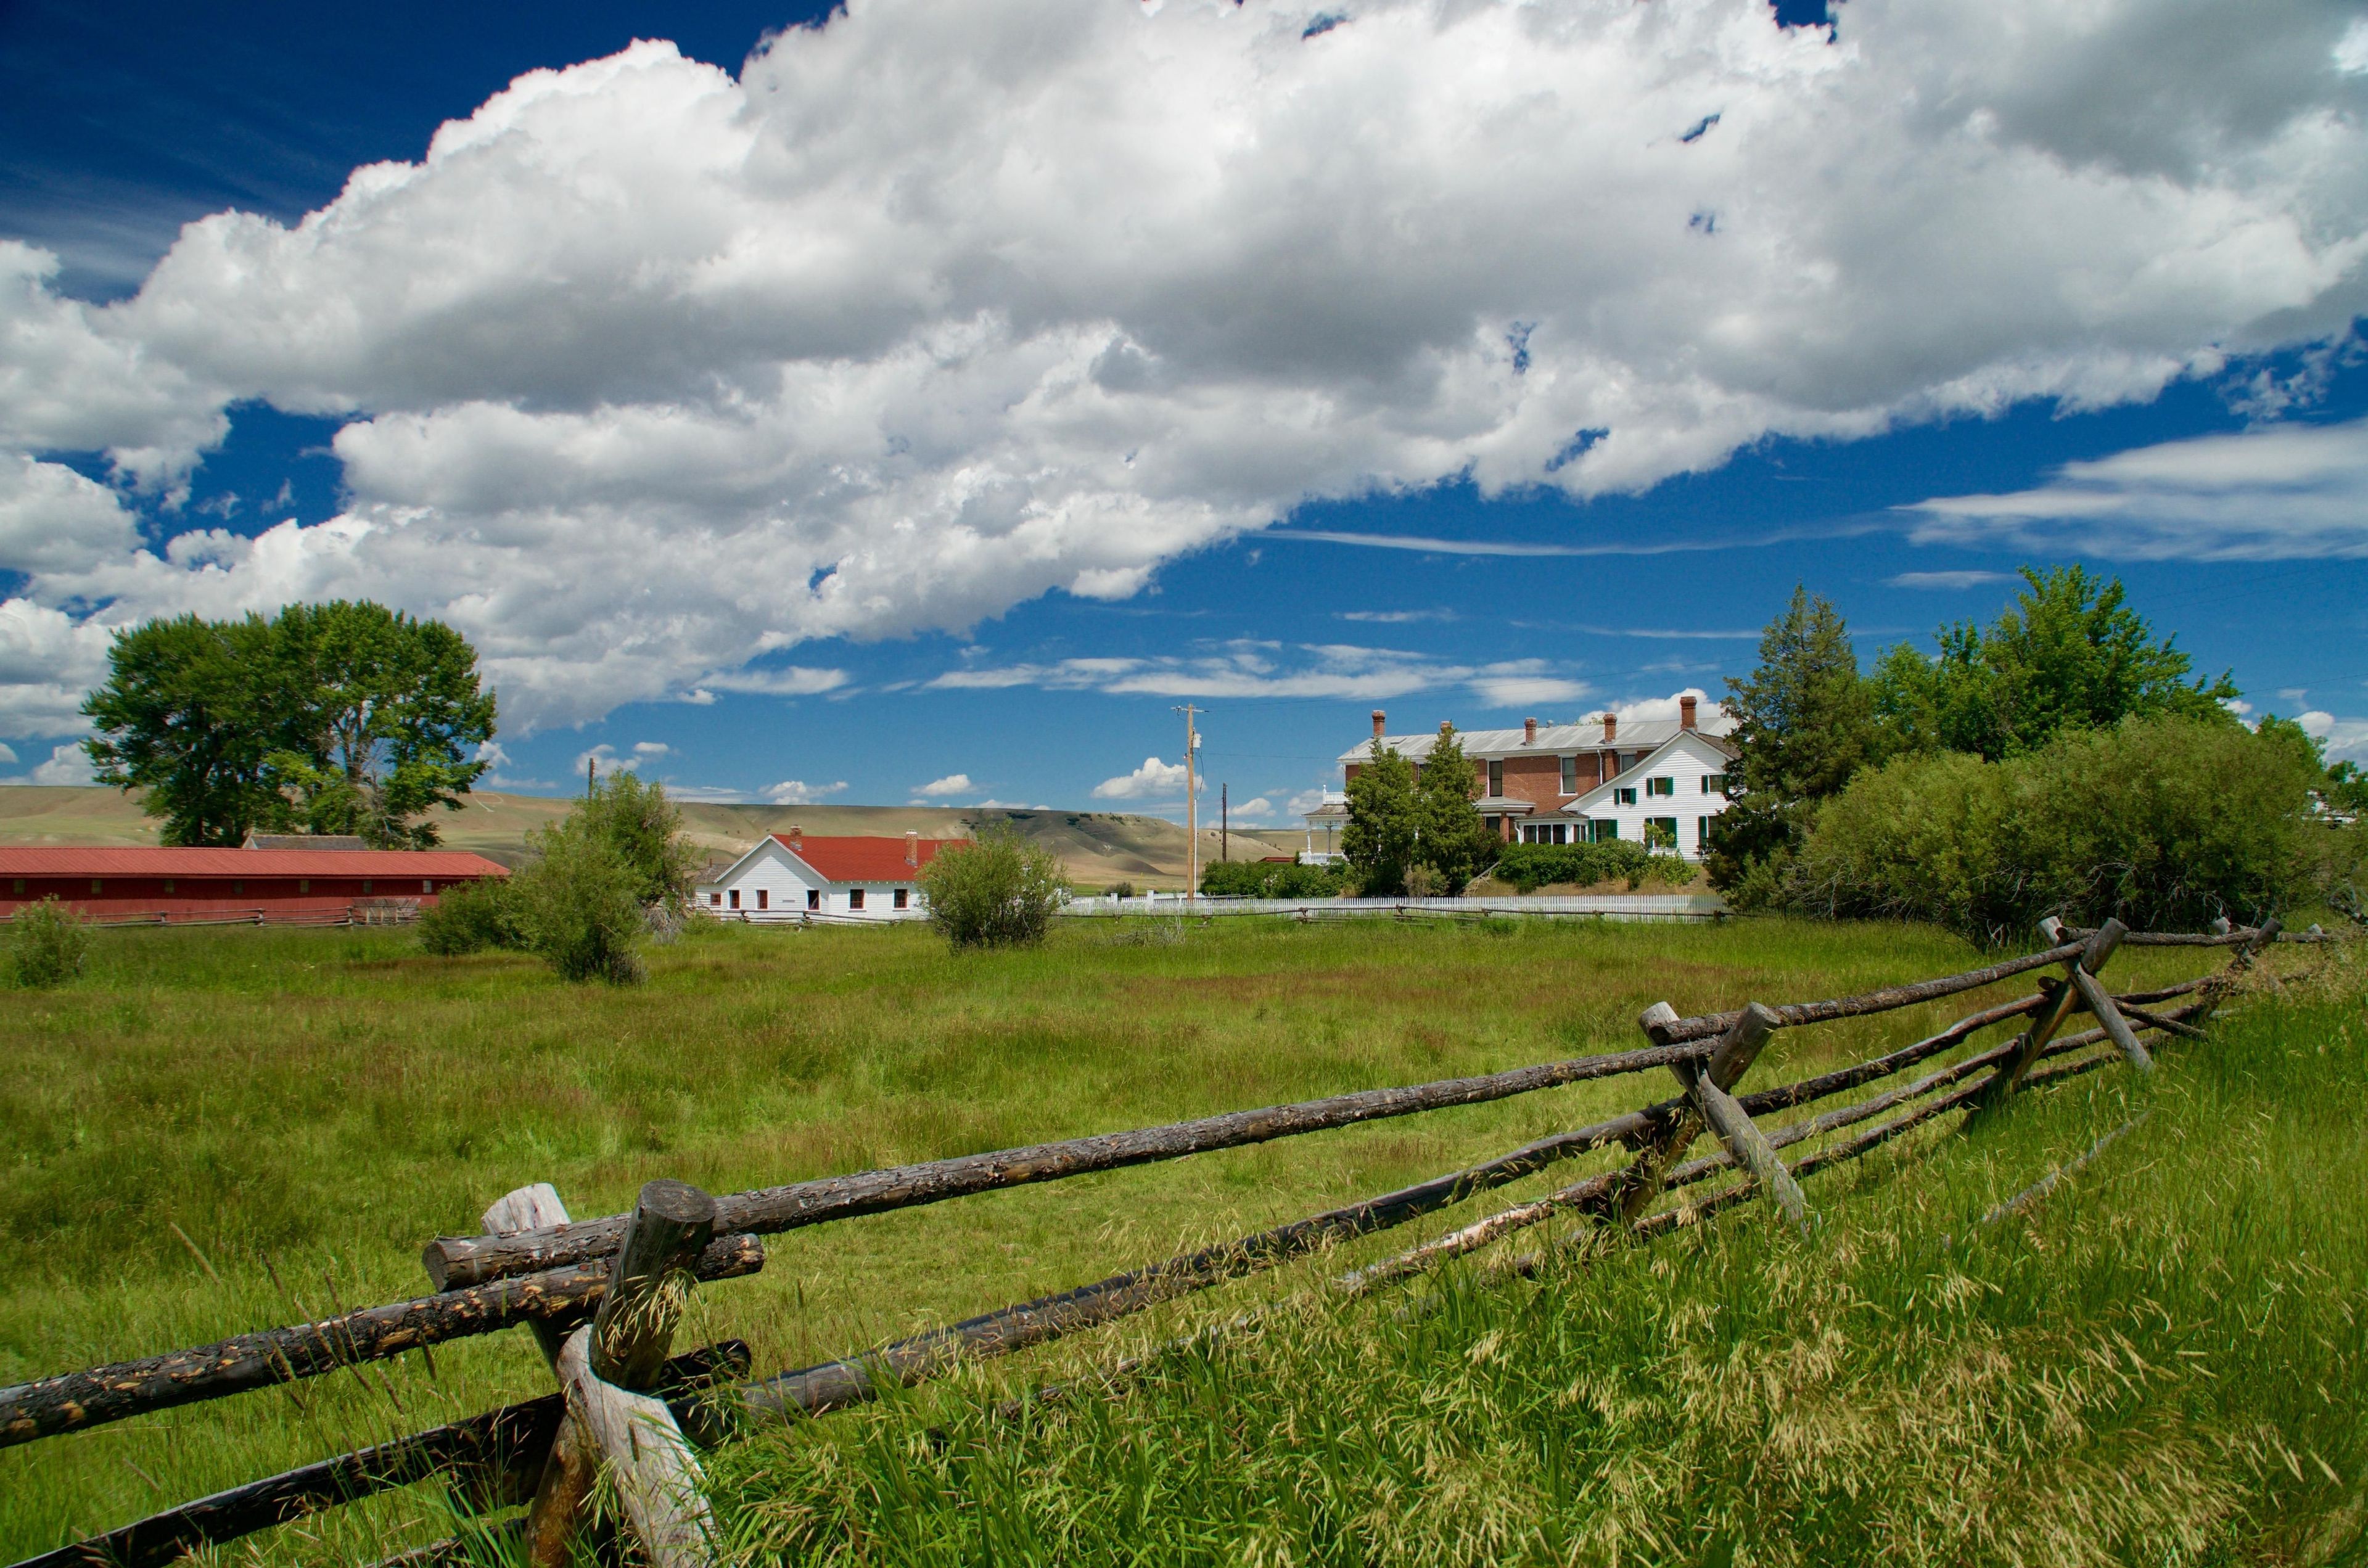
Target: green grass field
pixel 217 1131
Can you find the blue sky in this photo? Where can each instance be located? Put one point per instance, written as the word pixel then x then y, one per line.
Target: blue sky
pixel 971 423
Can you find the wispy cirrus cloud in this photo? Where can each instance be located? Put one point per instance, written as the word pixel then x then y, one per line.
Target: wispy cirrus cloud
pixel 1263 669
pixel 1947 581
pixel 2279 491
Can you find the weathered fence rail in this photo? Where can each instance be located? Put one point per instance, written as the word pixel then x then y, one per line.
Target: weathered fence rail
pixel 603 1295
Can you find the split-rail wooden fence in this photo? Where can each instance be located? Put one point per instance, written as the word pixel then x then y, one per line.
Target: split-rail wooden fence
pixel 603 1296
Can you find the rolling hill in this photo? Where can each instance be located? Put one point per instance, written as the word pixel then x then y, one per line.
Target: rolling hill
pixel 1098 848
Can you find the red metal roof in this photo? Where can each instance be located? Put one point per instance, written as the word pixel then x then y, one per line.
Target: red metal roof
pixel 864 860
pixel 70 860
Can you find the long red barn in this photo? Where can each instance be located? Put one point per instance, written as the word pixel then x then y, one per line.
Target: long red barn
pixel 120 883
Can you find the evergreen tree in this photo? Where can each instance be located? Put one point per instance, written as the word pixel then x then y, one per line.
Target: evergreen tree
pixel 1384 822
pixel 1804 723
pixel 1452 839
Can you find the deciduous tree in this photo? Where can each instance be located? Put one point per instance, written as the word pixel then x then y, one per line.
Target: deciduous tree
pixel 337 718
pixel 2069 654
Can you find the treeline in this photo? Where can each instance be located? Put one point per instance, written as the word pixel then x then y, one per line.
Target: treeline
pixel 344 718
pixel 2061 760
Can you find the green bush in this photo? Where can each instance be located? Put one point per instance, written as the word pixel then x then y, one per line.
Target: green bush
pixel 579 903
pixel 1530 867
pixel 1269 878
pixel 997 890
pixel 473 917
pixel 644 828
pixel 46 944
pixel 2163 823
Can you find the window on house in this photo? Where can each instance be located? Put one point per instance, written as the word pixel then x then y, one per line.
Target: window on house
pixel 168 885
pixel 1624 797
pixel 1661 833
pixel 855 898
pixel 735 898
pixel 94 885
pixel 904 898
pixel 1701 834
pixel 764 898
pixel 426 885
pixel 1497 779
pixel 1664 785
pixel 1606 830
pixel 813 898
pixel 20 884
pixel 715 900
pixel 1714 783
pixel 1570 776
pixel 365 885
pixel 235 887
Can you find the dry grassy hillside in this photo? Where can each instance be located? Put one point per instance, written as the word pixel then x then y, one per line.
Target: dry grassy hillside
pixel 1099 847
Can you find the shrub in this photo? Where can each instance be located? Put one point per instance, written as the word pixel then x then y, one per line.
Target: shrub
pixel 579 903
pixel 1269 878
pixel 1124 889
pixel 46 944
pixel 472 917
pixel 1530 867
pixel 2164 822
pixel 997 890
pixel 644 829
pixel 1425 881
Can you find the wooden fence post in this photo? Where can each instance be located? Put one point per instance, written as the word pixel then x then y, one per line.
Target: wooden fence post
pixel 1708 1102
pixel 2081 972
pixel 1637 1187
pixel 2068 995
pixel 604 1369
pixel 565 1485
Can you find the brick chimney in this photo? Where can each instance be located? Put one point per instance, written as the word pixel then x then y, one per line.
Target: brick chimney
pixel 793 832
pixel 1445 725
pixel 1378 717
pixel 912 848
pixel 1611 726
pixel 1685 713
pixel 1529 732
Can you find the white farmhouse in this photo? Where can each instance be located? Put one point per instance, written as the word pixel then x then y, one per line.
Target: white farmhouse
pixel 1652 781
pixel 794 876
pixel 1667 797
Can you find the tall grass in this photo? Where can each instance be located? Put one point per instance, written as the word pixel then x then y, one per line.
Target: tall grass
pixel 215 1131
pixel 2163 1363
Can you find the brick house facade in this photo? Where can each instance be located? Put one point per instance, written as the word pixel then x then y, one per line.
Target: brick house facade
pixel 1566 783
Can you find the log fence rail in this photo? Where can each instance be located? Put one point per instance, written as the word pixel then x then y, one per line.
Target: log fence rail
pixel 604 1296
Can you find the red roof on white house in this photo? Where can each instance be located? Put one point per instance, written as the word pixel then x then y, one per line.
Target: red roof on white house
pixel 860 858
pixel 69 860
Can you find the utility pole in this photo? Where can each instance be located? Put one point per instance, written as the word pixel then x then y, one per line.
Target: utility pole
pixel 1192 807
pixel 590 788
pixel 1224 822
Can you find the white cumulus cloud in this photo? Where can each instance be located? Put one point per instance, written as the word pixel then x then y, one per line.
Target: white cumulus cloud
pixel 66 765
pixel 796 792
pixel 938 789
pixel 1154 780
pixel 654 373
